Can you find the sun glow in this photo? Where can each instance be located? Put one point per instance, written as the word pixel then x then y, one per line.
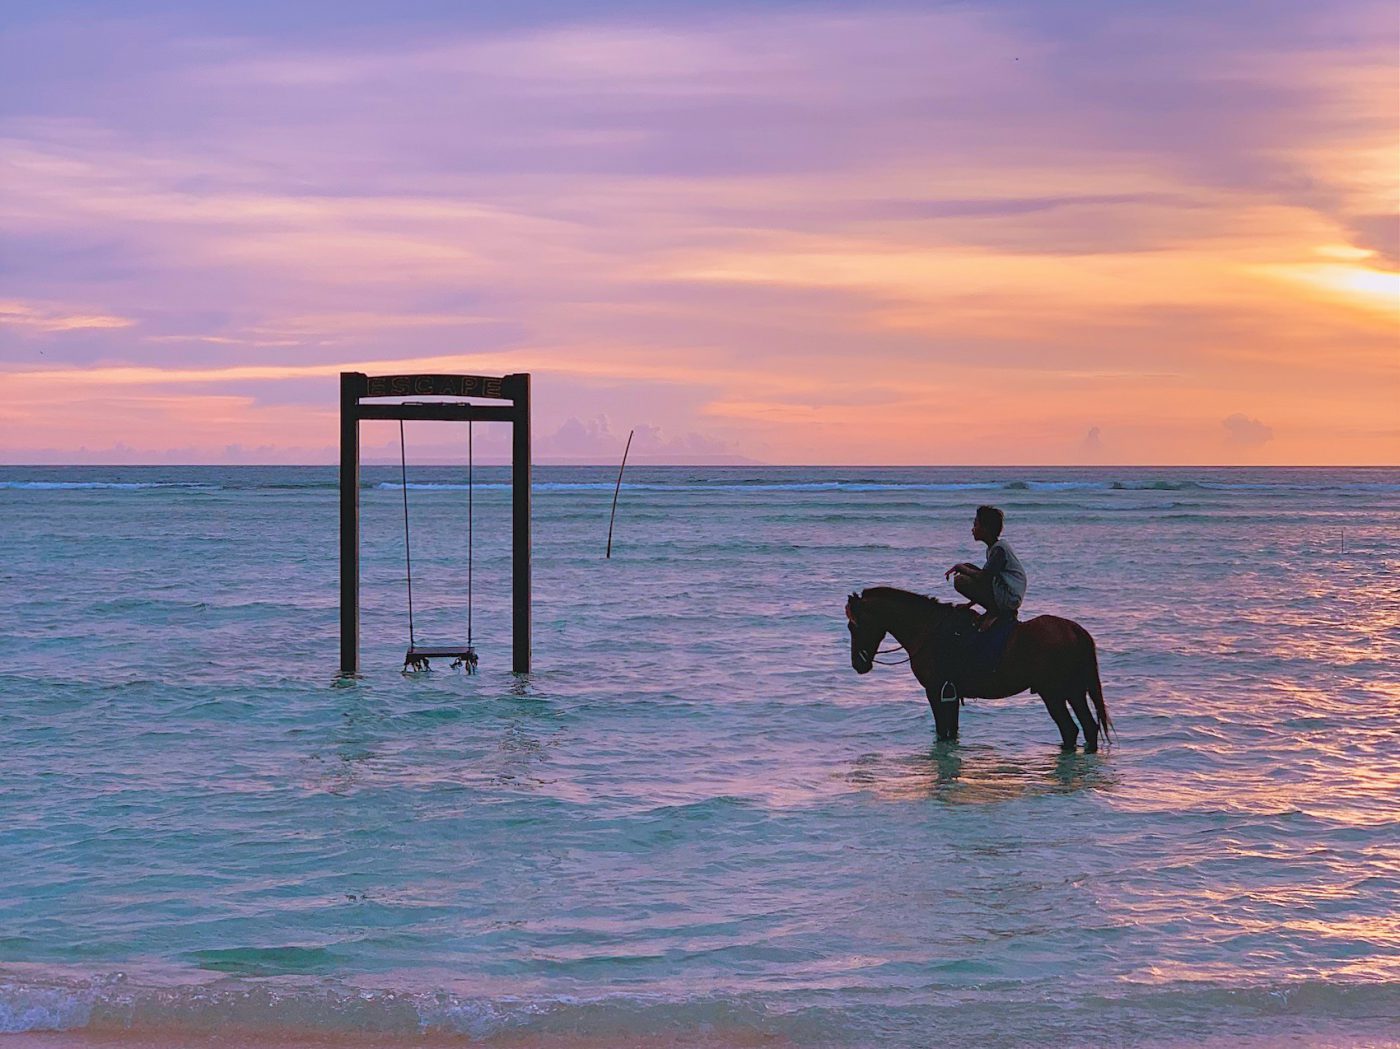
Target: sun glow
pixel 1360 285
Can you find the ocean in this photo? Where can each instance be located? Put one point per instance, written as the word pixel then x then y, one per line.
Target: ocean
pixel 693 824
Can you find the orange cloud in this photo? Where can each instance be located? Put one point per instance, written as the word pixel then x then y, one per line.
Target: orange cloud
pixel 56 319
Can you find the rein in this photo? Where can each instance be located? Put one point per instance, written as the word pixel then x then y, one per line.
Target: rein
pixel 892 662
pixel 910 653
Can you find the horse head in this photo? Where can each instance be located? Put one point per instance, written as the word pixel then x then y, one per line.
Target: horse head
pixel 866 633
pixel 921 625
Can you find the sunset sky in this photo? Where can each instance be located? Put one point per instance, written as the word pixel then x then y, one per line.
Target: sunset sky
pixel 988 232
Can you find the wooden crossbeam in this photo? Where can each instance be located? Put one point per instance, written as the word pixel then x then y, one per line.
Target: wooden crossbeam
pixel 446 411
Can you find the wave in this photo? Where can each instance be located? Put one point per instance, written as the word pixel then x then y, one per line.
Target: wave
pixel 1280 486
pixel 747 486
pixel 903 486
pixel 1170 504
pixel 851 485
pixel 112 1003
pixel 119 486
pixel 1011 1015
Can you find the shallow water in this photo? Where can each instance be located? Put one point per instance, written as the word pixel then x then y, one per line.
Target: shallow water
pixel 692 819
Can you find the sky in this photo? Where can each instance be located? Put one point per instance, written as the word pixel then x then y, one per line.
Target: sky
pixel 811 233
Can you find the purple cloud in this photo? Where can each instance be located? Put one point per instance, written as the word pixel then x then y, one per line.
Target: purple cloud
pixel 1245 431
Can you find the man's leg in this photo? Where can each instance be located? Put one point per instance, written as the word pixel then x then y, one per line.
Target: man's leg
pixel 976 587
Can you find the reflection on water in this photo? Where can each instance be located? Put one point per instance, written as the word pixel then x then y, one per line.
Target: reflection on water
pixel 961 774
pixel 339 769
pixel 521 757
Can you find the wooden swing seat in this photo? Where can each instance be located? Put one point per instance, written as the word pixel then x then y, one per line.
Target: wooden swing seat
pixel 463 656
pixel 458 652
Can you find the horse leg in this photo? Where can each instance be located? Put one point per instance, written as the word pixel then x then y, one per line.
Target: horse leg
pixel 945 714
pixel 1059 713
pixel 1080 702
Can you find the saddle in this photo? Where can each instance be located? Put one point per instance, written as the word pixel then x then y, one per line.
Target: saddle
pixel 978 651
pixel 986 646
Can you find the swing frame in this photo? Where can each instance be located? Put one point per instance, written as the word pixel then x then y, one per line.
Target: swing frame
pixel 356 388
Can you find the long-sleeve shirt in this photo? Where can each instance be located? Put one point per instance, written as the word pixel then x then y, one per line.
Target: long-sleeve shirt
pixel 1008 578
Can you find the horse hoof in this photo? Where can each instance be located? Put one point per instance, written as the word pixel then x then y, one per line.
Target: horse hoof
pixel 1067 748
pixel 1091 748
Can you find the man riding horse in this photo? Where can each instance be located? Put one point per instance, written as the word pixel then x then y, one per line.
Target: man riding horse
pixel 1053 657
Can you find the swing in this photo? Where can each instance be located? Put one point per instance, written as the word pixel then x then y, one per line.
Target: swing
pixel 464 656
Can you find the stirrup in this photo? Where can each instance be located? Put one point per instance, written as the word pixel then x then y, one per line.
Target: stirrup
pixel 948 686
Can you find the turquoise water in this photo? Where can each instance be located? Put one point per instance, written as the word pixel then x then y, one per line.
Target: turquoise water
pixel 693 816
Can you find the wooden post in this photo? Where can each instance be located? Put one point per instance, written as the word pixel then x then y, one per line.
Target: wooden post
pixel 518 387
pixel 355 387
pixel 352 387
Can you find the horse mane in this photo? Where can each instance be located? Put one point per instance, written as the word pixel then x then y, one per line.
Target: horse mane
pixel 920 606
pixel 907 598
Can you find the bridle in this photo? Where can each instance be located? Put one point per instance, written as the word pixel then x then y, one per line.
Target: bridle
pixel 910 653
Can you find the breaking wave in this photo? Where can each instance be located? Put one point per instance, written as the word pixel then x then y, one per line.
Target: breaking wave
pixel 727 480
pixel 112 1003
pixel 118 486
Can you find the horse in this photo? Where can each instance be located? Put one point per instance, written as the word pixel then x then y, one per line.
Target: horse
pixel 1054 658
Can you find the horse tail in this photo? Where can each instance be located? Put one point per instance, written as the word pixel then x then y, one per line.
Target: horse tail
pixel 1095 687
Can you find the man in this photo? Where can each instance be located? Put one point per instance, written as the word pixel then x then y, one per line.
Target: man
pixel 1000 584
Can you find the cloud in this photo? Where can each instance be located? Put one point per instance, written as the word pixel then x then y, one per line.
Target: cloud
pixel 1380 234
pixel 49 318
pixel 595 442
pixel 799 233
pixel 1245 431
pixel 1093 441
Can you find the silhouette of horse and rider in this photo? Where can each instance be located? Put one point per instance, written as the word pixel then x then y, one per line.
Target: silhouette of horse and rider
pixel 954 652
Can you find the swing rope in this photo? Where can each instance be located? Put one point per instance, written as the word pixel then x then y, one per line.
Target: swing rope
pixel 465 659
pixel 407 549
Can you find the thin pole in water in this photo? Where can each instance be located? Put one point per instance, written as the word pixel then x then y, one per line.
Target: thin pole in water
pixel 617 488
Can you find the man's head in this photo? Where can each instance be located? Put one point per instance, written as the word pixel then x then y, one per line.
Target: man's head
pixel 986 526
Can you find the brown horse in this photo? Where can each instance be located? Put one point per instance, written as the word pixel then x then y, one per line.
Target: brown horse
pixel 1052 657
